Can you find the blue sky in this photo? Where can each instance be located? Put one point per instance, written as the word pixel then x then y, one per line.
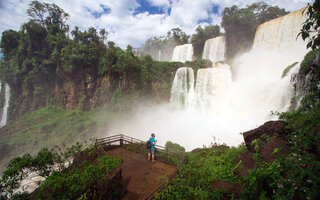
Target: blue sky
pixel 133 21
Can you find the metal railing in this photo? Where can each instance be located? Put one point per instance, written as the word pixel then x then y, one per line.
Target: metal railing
pixel 121 140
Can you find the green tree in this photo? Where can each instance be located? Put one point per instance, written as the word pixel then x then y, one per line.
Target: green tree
pixel 103 34
pixel 178 35
pixel 310 28
pixel 50 16
pixel 202 34
pixel 9 43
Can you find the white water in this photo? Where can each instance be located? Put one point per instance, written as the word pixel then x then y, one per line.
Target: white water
pixel 182 53
pixel 214 49
pixel 281 33
pixel 183 88
pixel 225 102
pixel 4 116
pixel 212 88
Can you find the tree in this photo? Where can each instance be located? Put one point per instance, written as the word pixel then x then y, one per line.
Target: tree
pixel 103 34
pixel 240 26
pixel 263 12
pixel 308 78
pixel 9 43
pixel 310 27
pixel 199 38
pixel 50 16
pixel 178 35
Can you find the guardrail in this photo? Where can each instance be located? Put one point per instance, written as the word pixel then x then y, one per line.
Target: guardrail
pixel 121 140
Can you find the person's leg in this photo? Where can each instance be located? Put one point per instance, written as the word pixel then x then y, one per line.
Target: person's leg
pixel 152 152
pixel 148 156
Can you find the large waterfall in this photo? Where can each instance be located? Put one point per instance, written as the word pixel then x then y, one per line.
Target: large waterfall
pixel 219 103
pixel 214 49
pixel 281 33
pixel 4 116
pixel 183 53
pixel 245 98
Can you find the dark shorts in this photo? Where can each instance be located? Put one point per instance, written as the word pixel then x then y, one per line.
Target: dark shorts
pixel 152 151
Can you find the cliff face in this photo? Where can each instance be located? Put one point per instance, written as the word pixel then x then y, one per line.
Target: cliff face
pixel 86 90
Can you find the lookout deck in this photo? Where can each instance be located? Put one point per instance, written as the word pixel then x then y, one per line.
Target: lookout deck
pixel 141 176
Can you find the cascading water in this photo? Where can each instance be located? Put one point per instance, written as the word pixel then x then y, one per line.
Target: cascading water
pixel 281 33
pixel 212 87
pixel 182 92
pixel 246 99
pixel 159 59
pixel 4 116
pixel 226 102
pixel 214 49
pixel 182 53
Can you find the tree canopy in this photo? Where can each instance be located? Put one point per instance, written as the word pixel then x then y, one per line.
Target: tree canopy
pixel 202 34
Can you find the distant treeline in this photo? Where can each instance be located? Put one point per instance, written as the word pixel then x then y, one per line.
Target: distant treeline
pixel 239 24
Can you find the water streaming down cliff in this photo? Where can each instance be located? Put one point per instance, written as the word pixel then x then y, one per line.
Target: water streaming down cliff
pixel 182 92
pixel 224 101
pixel 4 116
pixel 182 53
pixel 281 33
pixel 212 88
pixel 246 99
pixel 214 49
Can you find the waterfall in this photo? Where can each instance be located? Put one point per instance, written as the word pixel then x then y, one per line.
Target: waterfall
pixel 3 121
pixel 225 101
pixel 214 49
pixel 182 92
pixel 242 98
pixel 182 53
pixel 280 33
pixel 159 55
pixel 212 87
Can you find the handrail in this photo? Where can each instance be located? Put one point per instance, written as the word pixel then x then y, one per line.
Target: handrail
pixel 122 139
pixel 127 139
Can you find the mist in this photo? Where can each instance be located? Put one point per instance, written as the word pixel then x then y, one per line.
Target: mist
pixel 215 105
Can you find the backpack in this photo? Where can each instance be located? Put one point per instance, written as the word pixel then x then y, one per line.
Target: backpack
pixel 148 144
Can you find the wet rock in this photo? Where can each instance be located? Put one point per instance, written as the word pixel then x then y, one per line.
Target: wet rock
pixel 270 129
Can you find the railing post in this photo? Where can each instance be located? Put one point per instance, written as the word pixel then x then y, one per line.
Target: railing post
pixel 121 140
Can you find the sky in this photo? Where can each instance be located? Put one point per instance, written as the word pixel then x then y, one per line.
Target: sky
pixel 134 21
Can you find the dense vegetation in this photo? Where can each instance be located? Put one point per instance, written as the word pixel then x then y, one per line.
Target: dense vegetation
pixel 82 72
pixel 82 179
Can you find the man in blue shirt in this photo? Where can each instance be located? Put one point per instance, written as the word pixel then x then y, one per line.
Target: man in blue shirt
pixel 152 148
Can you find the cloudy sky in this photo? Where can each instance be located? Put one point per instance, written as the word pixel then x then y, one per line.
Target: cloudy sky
pixel 133 21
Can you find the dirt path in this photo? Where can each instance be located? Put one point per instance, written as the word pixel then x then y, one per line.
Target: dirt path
pixel 143 176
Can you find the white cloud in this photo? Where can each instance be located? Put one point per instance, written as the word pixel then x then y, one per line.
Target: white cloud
pixel 159 2
pixel 125 28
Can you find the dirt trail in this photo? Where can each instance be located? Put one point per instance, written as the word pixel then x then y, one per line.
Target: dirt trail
pixel 143 176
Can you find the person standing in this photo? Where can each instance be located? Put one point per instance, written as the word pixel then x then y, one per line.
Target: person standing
pixel 152 148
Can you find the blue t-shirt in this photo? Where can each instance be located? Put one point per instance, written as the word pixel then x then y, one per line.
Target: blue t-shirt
pixel 152 140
